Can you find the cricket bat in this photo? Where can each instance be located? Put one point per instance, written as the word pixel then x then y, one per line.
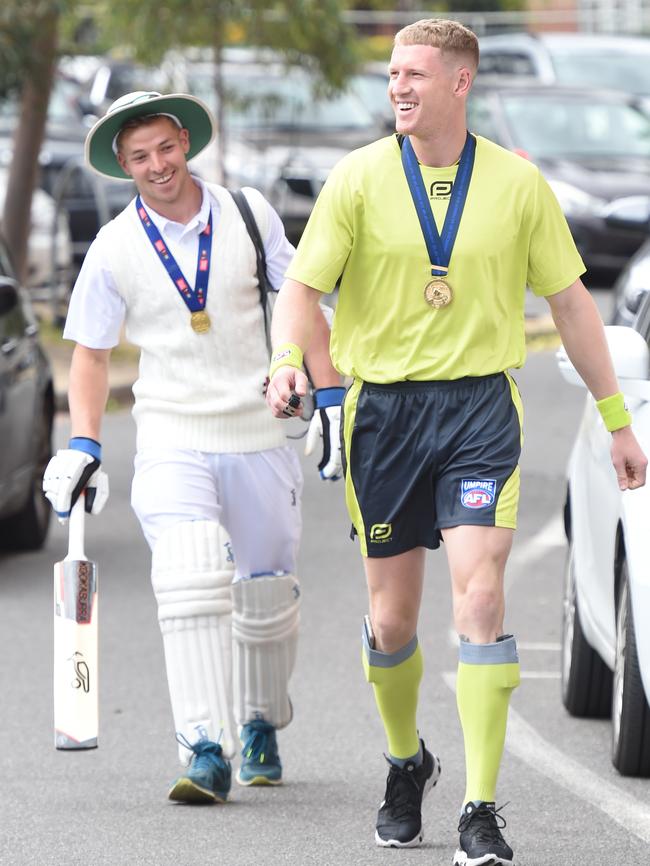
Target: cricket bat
pixel 75 642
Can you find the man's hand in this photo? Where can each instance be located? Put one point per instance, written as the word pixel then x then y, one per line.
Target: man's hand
pixel 629 460
pixel 326 426
pixel 286 382
pixel 72 470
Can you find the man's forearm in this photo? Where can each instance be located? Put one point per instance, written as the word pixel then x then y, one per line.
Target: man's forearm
pixel 88 391
pixel 294 315
pixel 581 328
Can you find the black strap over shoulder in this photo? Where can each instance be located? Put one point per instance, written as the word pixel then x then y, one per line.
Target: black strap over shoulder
pixel 254 233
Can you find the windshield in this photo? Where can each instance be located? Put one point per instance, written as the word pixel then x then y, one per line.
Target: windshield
pixel 628 71
pixel 563 127
pixel 273 100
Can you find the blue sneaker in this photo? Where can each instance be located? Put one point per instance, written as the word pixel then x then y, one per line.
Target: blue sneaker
pixel 208 777
pixel 260 760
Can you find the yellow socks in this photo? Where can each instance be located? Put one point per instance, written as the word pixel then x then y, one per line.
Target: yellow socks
pixel 396 681
pixel 487 674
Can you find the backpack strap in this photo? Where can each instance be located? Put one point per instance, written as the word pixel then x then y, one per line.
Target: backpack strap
pixel 262 276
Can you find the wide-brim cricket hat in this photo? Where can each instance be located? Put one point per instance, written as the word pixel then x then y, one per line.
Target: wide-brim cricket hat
pixel 190 112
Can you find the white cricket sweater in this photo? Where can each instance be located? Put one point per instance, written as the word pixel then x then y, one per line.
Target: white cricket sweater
pixel 197 391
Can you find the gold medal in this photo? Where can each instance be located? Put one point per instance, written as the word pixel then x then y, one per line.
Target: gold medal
pixel 437 293
pixel 200 322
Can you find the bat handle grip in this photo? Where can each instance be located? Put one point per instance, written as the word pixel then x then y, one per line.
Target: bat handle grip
pixel 76 529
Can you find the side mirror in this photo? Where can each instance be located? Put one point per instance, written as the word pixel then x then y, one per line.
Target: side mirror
pixel 631 213
pixel 630 356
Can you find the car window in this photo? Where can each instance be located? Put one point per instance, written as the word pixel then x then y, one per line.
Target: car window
pixel 506 63
pixel 480 118
pixel 564 126
pixel 625 70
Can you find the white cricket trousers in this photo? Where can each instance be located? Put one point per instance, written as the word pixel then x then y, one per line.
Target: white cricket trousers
pixel 255 496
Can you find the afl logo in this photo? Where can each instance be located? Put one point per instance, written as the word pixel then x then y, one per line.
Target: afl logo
pixel 477 492
pixel 380 532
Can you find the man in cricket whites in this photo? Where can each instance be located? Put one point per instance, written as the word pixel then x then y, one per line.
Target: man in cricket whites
pixel 434 234
pixel 216 488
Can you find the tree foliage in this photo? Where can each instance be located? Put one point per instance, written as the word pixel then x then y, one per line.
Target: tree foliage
pixel 311 31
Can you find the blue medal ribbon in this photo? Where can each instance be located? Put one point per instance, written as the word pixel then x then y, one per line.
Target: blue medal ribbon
pixel 439 245
pixel 194 298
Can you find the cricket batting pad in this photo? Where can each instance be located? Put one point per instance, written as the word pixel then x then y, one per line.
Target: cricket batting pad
pixel 265 623
pixel 191 574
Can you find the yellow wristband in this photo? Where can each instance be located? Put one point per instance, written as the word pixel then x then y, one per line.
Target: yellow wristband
pixel 286 355
pixel 614 412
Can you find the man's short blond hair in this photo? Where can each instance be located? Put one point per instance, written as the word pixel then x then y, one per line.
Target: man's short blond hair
pixel 448 36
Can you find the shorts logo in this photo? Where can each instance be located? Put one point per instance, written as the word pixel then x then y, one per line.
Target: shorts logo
pixel 477 492
pixel 380 532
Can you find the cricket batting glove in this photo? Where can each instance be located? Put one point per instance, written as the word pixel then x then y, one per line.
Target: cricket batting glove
pixel 326 426
pixel 72 470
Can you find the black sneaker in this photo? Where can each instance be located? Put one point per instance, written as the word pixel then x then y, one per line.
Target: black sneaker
pixel 399 820
pixel 481 842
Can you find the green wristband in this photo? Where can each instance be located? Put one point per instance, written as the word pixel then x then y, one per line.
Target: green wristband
pixel 614 412
pixel 286 355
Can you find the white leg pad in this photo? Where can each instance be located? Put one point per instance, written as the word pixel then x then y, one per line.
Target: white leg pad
pixel 265 620
pixel 192 572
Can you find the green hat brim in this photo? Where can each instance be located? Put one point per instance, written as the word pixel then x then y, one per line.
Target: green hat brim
pixel 192 113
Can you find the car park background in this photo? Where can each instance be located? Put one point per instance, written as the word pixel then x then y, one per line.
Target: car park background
pixel 537 567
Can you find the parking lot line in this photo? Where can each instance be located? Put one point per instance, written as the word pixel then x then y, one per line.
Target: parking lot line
pixel 523 741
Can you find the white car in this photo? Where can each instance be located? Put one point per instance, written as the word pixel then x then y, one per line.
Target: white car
pixel 606 617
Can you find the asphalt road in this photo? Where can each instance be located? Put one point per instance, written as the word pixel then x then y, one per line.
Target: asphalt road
pixel 108 806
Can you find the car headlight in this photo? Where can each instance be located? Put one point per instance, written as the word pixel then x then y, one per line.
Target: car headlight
pixel 573 201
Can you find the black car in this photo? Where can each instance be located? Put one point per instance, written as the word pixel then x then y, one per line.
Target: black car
pixel 593 146
pixel 88 201
pixel 26 417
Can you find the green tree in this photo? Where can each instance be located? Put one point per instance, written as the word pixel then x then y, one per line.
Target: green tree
pixel 28 40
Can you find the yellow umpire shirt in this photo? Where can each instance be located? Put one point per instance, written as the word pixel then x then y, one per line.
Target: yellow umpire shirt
pixel 364 230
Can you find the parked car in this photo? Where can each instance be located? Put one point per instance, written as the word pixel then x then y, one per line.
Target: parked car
pixel 633 282
pixel 109 79
pixel 88 201
pixel 578 59
pixel 280 134
pixel 593 146
pixel 49 249
pixel 606 608
pixel 26 416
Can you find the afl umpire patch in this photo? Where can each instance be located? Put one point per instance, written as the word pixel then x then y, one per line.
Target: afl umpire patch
pixel 477 492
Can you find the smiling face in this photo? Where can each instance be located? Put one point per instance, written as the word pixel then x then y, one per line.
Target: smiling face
pixel 427 89
pixel 153 154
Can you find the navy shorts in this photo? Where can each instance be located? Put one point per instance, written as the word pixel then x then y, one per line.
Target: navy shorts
pixel 424 456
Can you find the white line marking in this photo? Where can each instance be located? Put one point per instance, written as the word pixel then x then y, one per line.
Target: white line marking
pixel 525 743
pixel 550 536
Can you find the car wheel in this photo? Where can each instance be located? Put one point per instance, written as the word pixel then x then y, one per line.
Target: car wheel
pixel 27 529
pixel 630 711
pixel 586 679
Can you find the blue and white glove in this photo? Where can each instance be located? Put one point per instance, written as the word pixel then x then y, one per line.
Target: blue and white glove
pixel 72 470
pixel 326 425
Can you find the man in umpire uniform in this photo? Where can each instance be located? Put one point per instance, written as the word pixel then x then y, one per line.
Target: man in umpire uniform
pixel 434 234
pixel 216 488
